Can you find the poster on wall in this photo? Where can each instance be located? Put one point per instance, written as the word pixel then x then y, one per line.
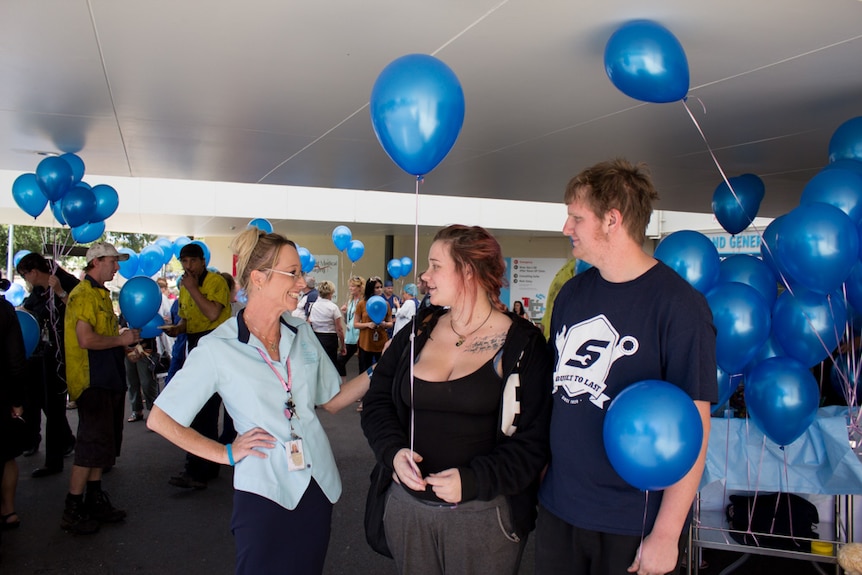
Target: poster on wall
pixel 529 279
pixel 326 268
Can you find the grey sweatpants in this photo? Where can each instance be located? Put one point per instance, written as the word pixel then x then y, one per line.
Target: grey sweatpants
pixel 473 538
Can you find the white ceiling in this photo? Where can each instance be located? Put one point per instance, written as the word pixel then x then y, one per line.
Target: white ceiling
pixel 276 91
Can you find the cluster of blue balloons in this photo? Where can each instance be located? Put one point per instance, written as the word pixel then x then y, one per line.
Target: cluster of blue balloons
pixel 306 260
pixel 399 267
pixel 342 239
pixel 151 258
pixel 58 180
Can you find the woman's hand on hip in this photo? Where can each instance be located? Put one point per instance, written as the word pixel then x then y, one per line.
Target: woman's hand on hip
pixel 446 485
pixel 251 442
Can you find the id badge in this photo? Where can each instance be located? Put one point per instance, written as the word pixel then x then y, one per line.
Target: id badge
pixel 376 336
pixel 295 457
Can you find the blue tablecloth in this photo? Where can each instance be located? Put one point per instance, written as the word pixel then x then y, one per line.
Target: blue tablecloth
pixel 819 462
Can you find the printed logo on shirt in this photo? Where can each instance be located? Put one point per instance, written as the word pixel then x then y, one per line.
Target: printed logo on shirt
pixel 586 352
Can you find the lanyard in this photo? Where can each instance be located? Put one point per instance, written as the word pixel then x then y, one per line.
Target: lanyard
pixel 289 405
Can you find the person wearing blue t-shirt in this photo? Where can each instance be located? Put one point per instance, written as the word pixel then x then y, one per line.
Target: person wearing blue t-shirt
pixel 628 318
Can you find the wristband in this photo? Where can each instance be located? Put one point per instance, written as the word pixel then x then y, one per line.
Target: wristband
pixel 230 460
pixel 369 371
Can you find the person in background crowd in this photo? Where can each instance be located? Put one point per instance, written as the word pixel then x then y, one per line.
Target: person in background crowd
pixel 178 351
pixel 372 336
pixel 140 376
pixel 465 453
pixel 309 296
pixel 590 519
pixel 204 305
pixel 405 313
pixel 12 391
pixel 164 342
pixel 95 373
pixel 518 309
pixel 46 366
pixel 393 301
pixel 325 319
pixel 351 335
pixel 272 373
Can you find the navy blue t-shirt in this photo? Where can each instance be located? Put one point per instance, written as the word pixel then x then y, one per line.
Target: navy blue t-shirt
pixel 607 336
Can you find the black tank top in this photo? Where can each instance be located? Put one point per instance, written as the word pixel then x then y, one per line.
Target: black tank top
pixel 455 421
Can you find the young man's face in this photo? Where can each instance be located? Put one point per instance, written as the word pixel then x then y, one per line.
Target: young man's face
pixel 387 291
pixel 585 230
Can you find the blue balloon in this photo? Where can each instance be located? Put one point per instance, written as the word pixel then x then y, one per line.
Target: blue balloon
pixel 341 237
pixel 844 377
pixel 645 61
pixel 28 195
pixel 742 324
pixel 78 206
pixel 57 210
pixel 307 269
pixel 736 209
pixel 151 328
pixel 107 202
pixel 727 384
pixel 262 224
pixel 355 250
pixel 18 255
pixel 15 294
pixel 770 348
pixel 782 398
pixel 819 244
pixel 205 249
pixel 417 109
pixel 167 249
pixel 128 268
pixel 751 271
pixel 693 256
pixel 150 260
pixel 853 286
pixel 55 177
pixel 178 245
pixel 652 434
pixel 852 165
pixel 76 164
pixel 88 232
pixel 30 331
pixel 808 325
pixel 140 299
pixel 839 188
pixel 376 308
pixel 304 258
pixel 769 251
pixel 846 141
pixel 394 268
pixel 406 266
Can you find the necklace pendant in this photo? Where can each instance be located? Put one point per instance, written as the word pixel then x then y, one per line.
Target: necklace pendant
pixel 460 342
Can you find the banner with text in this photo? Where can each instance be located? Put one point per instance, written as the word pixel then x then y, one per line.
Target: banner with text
pixel 529 280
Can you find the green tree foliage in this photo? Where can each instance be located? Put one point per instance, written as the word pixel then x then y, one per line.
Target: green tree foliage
pixel 43 240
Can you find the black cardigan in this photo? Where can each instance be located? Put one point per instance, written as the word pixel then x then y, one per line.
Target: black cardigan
pixel 514 466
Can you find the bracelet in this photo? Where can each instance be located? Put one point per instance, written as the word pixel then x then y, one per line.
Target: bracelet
pixel 369 371
pixel 230 460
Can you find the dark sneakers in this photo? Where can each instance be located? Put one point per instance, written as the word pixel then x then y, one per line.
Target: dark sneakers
pixel 76 519
pixel 186 481
pixel 99 506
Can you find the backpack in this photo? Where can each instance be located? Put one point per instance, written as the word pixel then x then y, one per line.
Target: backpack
pixel 794 515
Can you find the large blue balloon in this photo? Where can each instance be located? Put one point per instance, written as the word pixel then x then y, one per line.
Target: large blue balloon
pixel 30 331
pixel 128 268
pixel 652 434
pixel 28 195
pixel 304 258
pixel 140 299
pixel 55 177
pixel 341 237
pixel 78 206
pixel 782 398
pixel 693 256
pixel 355 250
pixel 151 328
pixel 742 324
pixel 819 244
pixel 178 245
pixel 644 60
pixel 15 294
pixel 406 266
pixel 167 249
pixel 18 255
pixel 107 202
pixel 205 249
pixel 394 268
pixel 262 224
pixel 807 325
pixel 736 209
pixel 376 308
pixel 770 348
pixel 417 109
pixel 89 232
pixel 751 271
pixel 77 165
pixel 150 260
pixel 840 188
pixel 846 141
pixel 852 165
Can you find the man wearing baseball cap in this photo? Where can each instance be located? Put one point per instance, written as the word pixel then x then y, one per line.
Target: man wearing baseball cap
pixel 204 305
pixel 96 379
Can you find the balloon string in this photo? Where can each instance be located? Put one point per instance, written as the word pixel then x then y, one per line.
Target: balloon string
pixel 419 181
pixel 643 526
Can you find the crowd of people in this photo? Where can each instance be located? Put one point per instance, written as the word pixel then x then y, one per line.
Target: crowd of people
pixel 477 440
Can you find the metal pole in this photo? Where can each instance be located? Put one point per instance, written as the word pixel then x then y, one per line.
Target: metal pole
pixel 9 251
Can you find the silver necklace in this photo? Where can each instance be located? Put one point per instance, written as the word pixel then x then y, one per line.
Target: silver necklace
pixel 463 338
